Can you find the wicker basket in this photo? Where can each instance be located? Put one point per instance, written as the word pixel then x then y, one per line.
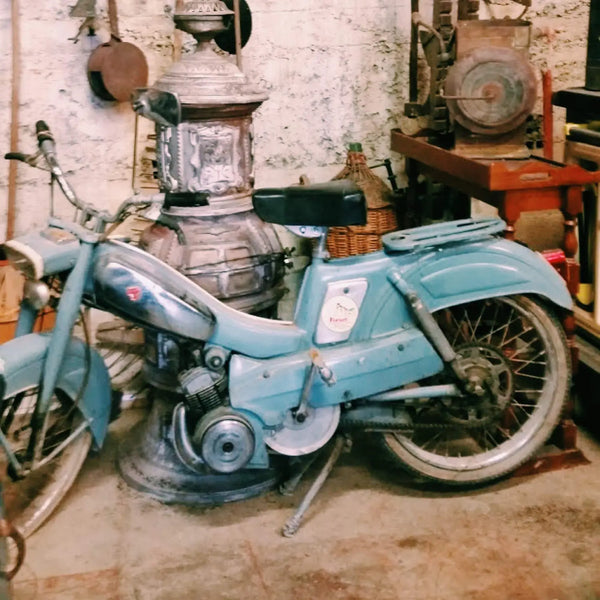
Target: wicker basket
pixel 381 213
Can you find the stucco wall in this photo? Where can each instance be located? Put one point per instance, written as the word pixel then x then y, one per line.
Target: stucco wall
pixel 336 72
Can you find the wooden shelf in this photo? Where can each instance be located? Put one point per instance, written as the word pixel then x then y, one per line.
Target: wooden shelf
pixel 484 176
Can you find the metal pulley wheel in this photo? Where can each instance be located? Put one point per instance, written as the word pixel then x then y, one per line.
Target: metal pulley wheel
pixel 297 438
pixel 491 91
pixel 225 440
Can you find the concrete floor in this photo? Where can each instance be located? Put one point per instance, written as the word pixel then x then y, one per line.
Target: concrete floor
pixel 370 535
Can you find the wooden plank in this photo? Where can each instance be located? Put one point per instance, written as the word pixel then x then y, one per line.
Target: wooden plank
pixel 588 354
pixel 585 321
pixel 442 160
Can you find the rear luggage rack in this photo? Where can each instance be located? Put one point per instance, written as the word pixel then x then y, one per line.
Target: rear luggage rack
pixel 439 234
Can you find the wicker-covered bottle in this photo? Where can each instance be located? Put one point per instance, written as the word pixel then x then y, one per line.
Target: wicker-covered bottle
pixel 381 213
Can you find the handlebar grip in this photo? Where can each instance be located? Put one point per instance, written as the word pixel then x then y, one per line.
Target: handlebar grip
pixel 16 156
pixel 43 132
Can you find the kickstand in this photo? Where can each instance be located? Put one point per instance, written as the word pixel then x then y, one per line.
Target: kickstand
pixel 298 470
pixel 293 523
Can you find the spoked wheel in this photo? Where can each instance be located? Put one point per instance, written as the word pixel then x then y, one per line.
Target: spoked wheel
pixel 31 499
pixel 518 366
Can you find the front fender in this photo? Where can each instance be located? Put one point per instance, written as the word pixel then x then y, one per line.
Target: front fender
pixel 21 362
pixel 463 273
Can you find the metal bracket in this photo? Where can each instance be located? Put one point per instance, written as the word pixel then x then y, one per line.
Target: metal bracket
pixel 429 325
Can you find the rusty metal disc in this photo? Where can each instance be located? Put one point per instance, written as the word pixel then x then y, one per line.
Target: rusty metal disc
pixel 491 91
pixel 124 69
pixel 116 69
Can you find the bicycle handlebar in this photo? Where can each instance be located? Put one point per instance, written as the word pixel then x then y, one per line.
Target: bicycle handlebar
pixel 47 148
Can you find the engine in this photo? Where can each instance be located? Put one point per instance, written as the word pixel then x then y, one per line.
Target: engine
pixel 204 389
pixel 206 431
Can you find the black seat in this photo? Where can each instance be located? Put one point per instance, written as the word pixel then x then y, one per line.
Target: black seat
pixel 332 204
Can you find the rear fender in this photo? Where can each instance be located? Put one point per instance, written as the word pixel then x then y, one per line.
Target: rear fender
pixel 460 274
pixel 21 362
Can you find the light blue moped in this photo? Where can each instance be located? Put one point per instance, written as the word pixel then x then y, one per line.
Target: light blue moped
pixel 445 345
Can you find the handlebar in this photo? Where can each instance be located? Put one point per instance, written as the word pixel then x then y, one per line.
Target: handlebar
pixel 47 149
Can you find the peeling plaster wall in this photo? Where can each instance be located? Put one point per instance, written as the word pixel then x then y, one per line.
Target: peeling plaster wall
pixel 336 72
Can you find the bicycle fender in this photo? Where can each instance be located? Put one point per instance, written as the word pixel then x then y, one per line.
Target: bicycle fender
pixel 465 273
pixel 21 362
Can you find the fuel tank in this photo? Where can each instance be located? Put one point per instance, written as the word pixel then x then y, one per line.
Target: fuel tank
pixel 136 286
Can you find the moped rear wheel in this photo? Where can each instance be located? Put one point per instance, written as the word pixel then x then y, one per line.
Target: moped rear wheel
pixel 32 499
pixel 515 354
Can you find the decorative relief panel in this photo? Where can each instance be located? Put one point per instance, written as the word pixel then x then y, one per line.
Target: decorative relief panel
pixel 205 157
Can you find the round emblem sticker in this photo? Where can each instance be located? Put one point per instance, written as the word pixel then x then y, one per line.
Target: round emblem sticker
pixel 339 314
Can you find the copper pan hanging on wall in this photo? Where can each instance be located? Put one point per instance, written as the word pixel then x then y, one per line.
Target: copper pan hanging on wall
pixel 116 68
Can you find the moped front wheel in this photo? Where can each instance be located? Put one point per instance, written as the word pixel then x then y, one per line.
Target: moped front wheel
pixel 515 356
pixel 30 500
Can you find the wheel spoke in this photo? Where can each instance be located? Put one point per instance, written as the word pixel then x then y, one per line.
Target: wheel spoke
pixel 433 439
pixel 467 322
pixel 507 327
pixel 526 363
pixel 492 321
pixel 523 405
pixel 483 307
pixel 518 336
pixel 459 329
pixel 504 327
pixel 522 349
pixel 14 405
pixel 532 376
pixel 488 435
